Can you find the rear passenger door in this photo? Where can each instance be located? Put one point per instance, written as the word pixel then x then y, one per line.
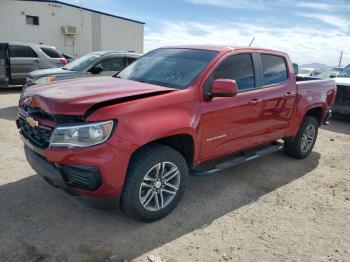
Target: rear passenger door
pixel 279 94
pixel 23 60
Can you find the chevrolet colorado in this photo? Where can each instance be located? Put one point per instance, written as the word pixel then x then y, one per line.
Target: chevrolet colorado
pixel 176 111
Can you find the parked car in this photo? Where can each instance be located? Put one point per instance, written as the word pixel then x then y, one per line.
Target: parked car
pixel 175 111
pixel 69 58
pixel 335 71
pixel 342 101
pixel 309 72
pixel 101 63
pixel 18 59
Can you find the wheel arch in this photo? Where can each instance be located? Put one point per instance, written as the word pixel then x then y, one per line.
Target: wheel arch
pixel 316 112
pixel 182 142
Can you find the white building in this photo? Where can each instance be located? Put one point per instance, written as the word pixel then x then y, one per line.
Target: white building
pixel 72 29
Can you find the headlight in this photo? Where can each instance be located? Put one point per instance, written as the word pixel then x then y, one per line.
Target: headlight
pixel 44 80
pixel 81 135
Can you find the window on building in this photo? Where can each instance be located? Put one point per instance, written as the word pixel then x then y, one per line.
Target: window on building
pixel 239 68
pixel 51 52
pixel 21 51
pixel 32 20
pixel 275 70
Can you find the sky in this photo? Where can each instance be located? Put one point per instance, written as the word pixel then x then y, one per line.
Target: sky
pixel 309 31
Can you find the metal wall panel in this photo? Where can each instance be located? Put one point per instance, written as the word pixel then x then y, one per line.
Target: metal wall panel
pixel 115 33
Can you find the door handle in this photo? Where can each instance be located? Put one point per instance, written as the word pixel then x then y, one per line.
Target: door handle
pixel 289 94
pixel 254 101
pixel 36 61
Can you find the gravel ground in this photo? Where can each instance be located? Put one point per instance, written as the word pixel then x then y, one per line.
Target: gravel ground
pixel 273 209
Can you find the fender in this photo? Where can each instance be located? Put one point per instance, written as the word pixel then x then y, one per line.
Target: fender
pixel 143 121
pixel 300 114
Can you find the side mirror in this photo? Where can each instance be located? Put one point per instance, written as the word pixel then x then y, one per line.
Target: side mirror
pixel 96 69
pixel 223 88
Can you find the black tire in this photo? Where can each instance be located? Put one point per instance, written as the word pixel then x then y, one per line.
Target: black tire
pixel 294 146
pixel 143 162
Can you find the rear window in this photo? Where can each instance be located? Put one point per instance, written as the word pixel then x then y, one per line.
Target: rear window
pixel 51 52
pixel 21 51
pixel 275 70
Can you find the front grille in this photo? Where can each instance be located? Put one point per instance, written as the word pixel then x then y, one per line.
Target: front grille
pixel 37 113
pixel 343 95
pixel 39 137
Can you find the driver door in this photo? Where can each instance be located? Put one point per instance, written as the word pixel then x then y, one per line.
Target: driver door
pixel 111 66
pixel 231 124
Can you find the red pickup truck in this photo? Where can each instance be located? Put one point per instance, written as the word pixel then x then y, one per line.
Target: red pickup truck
pixel 174 112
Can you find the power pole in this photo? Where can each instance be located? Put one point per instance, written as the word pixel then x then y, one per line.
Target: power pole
pixel 341 57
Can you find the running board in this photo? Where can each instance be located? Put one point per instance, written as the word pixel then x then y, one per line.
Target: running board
pixel 245 156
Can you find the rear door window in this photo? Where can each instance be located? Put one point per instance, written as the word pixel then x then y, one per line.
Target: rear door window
pixel 22 51
pixel 51 52
pixel 239 68
pixel 274 68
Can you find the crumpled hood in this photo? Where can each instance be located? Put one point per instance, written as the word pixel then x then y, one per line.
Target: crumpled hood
pixel 75 97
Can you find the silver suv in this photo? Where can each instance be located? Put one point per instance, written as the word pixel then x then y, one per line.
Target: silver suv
pixel 19 59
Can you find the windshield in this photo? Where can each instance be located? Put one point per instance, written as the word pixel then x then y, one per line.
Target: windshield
pixel 82 62
pixel 345 72
pixel 305 71
pixel 176 68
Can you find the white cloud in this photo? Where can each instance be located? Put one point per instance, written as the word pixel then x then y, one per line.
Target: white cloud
pixel 233 4
pixel 304 45
pixel 315 5
pixel 336 21
pixel 265 4
pixel 323 6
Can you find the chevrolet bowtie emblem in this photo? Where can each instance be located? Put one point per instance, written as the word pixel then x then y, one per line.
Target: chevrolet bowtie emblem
pixel 32 122
pixel 28 100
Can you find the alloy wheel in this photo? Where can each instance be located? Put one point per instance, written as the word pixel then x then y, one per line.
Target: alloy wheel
pixel 159 186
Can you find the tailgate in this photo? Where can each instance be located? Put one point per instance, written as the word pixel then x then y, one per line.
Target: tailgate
pixel 342 100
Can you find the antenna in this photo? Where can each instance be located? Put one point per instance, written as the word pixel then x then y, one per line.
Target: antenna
pixel 251 42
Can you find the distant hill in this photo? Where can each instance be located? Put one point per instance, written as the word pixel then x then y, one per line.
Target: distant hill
pixel 316 66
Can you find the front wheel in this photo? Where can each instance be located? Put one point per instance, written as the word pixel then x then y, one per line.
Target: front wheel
pixel 303 143
pixel 155 182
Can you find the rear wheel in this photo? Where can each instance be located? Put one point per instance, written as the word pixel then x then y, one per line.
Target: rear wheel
pixel 155 182
pixel 302 144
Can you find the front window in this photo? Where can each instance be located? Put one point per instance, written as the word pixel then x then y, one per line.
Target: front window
pixel 82 62
pixel 171 67
pixel 345 72
pixel 305 71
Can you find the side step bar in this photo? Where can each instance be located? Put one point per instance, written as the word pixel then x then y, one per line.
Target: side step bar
pixel 245 156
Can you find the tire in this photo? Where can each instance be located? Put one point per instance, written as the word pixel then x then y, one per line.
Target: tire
pixel 146 197
pixel 302 144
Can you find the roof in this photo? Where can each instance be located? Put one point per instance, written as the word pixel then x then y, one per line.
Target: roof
pixel 26 44
pixel 83 8
pixel 223 48
pixel 126 53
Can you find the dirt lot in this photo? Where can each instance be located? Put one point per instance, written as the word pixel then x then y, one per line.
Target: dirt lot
pixel 272 209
